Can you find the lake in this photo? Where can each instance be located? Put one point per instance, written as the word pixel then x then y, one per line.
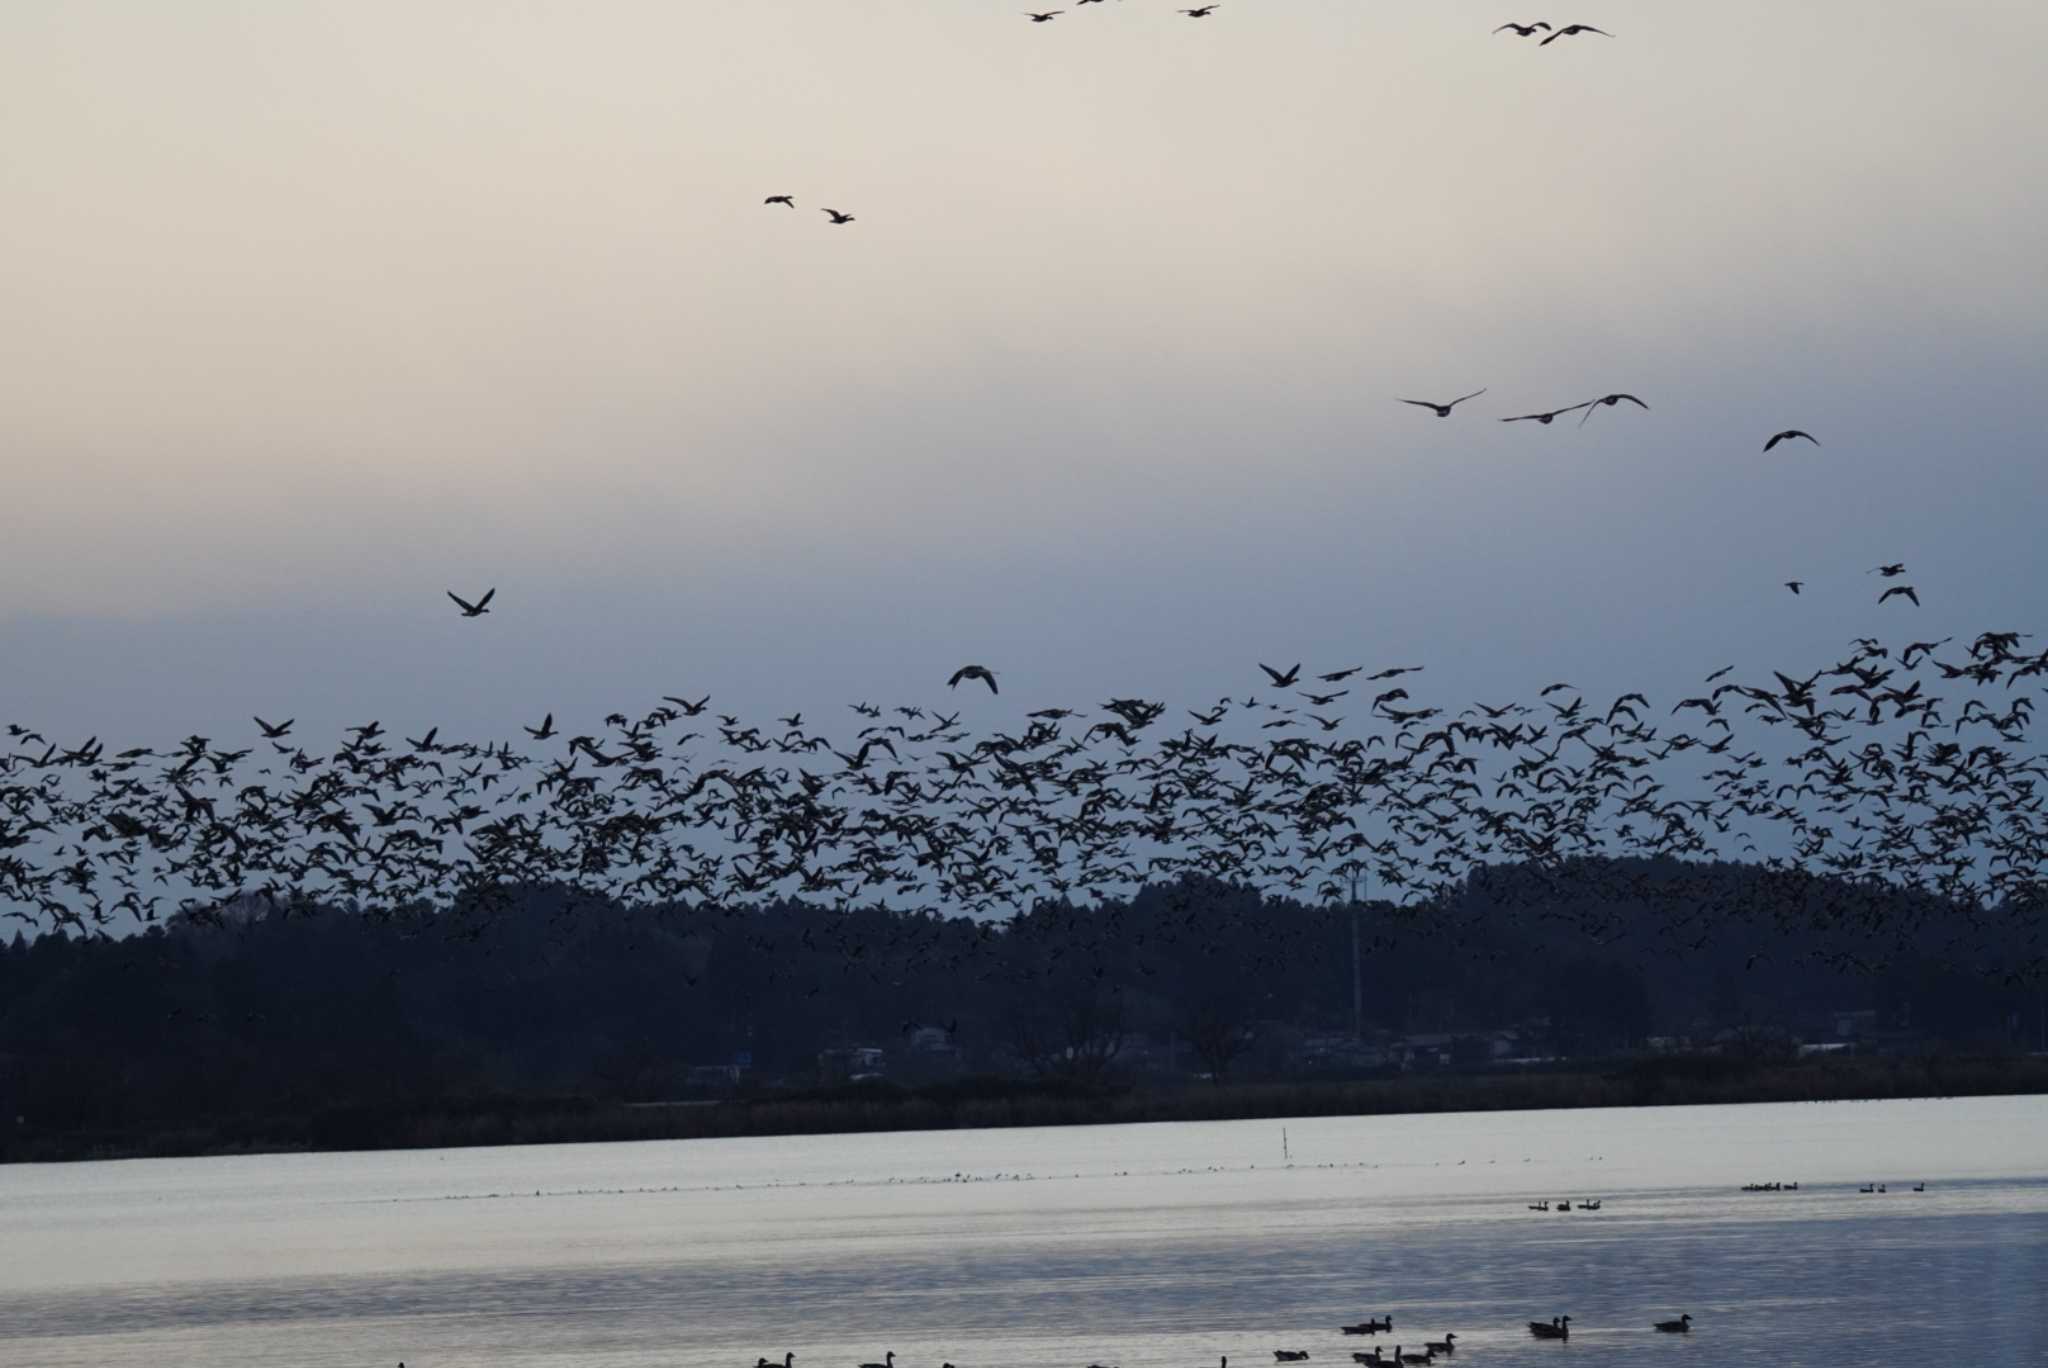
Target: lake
pixel 1154 1246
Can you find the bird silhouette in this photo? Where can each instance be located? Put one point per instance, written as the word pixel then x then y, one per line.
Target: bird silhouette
pixel 477 609
pixel 1200 11
pixel 1609 400
pixel 980 672
pixel 1522 30
pixel 1548 417
pixel 1570 29
pixel 1443 410
pixel 1795 585
pixel 1787 435
pixel 780 199
pixel 1042 16
pixel 1900 591
pixel 838 217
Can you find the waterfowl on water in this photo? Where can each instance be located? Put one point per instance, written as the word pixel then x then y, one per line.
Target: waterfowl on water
pixel 1560 1327
pixel 1445 1345
pixel 1412 1358
pixel 1681 1326
pixel 1290 1355
pixel 888 1361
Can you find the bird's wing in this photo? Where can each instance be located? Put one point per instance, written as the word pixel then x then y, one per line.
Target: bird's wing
pixel 489 594
pixel 460 601
pixel 1419 403
pixel 1463 397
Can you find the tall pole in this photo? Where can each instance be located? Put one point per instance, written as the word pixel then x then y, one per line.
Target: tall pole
pixel 1357 981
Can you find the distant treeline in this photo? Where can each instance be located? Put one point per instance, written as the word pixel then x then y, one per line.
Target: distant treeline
pixel 548 1013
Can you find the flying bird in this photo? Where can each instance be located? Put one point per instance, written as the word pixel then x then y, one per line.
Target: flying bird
pixel 838 217
pixel 1900 591
pixel 1282 679
pixel 1200 11
pixel 1610 400
pixel 1896 568
pixel 1787 435
pixel 780 199
pixel 1546 417
pixel 1569 29
pixel 544 730
pixel 1795 585
pixel 477 609
pixel 1040 17
pixel 274 730
pixel 1522 30
pixel 1444 410
pixel 980 672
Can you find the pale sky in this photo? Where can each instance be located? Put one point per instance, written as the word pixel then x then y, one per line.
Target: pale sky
pixel 313 311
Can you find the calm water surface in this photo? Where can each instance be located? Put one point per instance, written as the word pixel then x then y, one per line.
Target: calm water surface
pixel 1161 1246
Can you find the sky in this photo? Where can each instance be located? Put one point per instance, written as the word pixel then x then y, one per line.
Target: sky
pixel 316 311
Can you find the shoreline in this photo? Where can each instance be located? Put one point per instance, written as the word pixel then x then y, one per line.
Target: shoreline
pixel 985 1103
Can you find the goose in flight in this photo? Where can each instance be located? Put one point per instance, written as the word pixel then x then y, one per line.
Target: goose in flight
pixel 780 199
pixel 1546 417
pixel 1041 16
pixel 1282 679
pixel 544 730
pixel 1610 400
pixel 1522 30
pixel 1900 591
pixel 1890 571
pixel 1570 29
pixel 1681 1326
pixel 838 217
pixel 1444 410
pixel 980 672
pixel 273 730
pixel 1795 585
pixel 1787 435
pixel 1200 11
pixel 477 609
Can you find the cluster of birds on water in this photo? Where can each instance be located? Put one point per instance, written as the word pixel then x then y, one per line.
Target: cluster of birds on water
pixel 1892 768
pixel 1556 1328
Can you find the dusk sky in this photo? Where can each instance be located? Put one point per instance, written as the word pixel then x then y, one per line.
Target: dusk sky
pixel 315 311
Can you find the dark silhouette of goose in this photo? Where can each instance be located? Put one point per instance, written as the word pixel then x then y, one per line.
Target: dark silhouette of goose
pixel 477 609
pixel 1424 1357
pixel 1446 1345
pixel 1290 1355
pixel 838 217
pixel 1041 16
pixel 1370 1359
pixel 1443 410
pixel 780 199
pixel 1787 435
pixel 788 1357
pixel 1544 417
pixel 1900 591
pixel 274 730
pixel 1896 568
pixel 888 1361
pixel 1522 30
pixel 1681 1326
pixel 1570 30
pixel 980 672
pixel 1795 585
pixel 1282 679
pixel 1607 400
pixel 544 730
pixel 1559 1327
pixel 1200 11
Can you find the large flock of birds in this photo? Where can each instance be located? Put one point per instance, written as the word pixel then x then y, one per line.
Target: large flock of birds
pixel 1889 769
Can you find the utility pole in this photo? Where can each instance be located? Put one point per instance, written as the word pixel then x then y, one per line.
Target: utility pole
pixel 1357 981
